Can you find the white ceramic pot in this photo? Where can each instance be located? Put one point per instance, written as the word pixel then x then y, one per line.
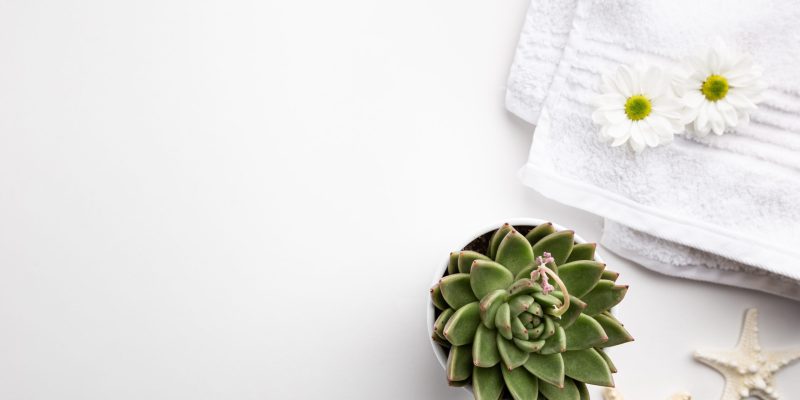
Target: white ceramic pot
pixel 441 354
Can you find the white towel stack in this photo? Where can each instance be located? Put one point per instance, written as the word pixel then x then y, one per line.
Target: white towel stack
pixel 725 208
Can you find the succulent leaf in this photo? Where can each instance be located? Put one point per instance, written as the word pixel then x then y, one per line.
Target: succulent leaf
pixel 536 332
pixel 608 314
pixel 587 366
pixel 558 244
pixel 527 318
pixel 556 343
pixel 437 298
pixel 521 384
pixel 610 275
pixel 466 258
pixel 456 290
pixel 585 333
pixel 520 303
pixel 617 334
pixel 583 390
pixel 536 309
pixel 539 232
pixel 484 348
pixel 569 391
pixel 548 368
pixel 436 338
pixel 489 306
pixel 576 307
pixel 518 330
pixel 502 321
pixel 580 276
pixel 547 300
pixel 524 286
pixel 452 266
pixel 608 361
pixel 441 321
pixel 510 332
pixel 461 327
pixel 525 272
pixel 487 383
pixel 514 252
pixel 459 363
pixel 606 294
pixel 487 276
pixel 511 355
pixel 529 346
pixel 583 251
pixel 549 327
pixel 498 236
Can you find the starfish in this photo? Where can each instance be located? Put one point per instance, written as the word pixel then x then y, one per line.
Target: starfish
pixel 613 394
pixel 748 370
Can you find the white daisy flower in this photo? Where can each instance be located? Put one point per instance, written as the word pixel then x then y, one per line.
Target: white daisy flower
pixel 719 89
pixel 638 106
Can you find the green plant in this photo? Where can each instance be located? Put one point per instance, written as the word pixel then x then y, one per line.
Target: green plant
pixel 528 314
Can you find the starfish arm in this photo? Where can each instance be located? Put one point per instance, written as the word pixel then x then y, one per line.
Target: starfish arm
pixel 767 396
pixel 749 338
pixel 778 359
pixel 733 388
pixel 722 361
pixel 612 394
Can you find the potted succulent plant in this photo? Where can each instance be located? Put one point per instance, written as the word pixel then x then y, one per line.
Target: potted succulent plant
pixel 523 311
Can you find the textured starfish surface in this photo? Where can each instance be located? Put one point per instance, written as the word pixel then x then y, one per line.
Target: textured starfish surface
pixel 748 369
pixel 613 394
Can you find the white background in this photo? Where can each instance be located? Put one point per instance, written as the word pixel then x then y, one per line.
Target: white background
pixel 247 200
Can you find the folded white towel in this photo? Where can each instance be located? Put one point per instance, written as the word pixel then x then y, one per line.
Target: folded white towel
pixel 722 208
pixel 541 44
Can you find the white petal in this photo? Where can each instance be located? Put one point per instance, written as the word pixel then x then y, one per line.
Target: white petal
pixel 599 117
pixel 689 115
pixel 660 126
pixel 624 81
pixel 653 82
pixel 667 102
pixel 620 141
pixel 617 131
pixel 744 64
pixel 744 118
pixel 715 119
pixel 697 79
pixel 726 60
pixel 754 91
pixel 739 100
pixel 604 134
pixel 636 140
pixel 701 125
pixel 713 61
pixel 698 66
pixel 609 100
pixel 649 136
pixel 728 113
pixel 692 99
pixel 742 80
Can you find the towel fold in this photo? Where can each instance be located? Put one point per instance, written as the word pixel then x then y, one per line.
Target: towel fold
pixel 541 44
pixel 721 208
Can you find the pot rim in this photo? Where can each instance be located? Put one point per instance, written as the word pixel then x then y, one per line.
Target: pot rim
pixel 441 355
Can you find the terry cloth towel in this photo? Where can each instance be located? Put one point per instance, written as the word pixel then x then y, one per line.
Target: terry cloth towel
pixel 725 208
pixel 541 44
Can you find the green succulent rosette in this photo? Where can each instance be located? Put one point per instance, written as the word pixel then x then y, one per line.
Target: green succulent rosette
pixel 529 316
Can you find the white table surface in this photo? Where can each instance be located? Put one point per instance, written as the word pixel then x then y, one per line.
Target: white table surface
pixel 246 200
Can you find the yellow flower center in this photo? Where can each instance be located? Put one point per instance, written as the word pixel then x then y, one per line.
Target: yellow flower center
pixel 638 107
pixel 715 87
